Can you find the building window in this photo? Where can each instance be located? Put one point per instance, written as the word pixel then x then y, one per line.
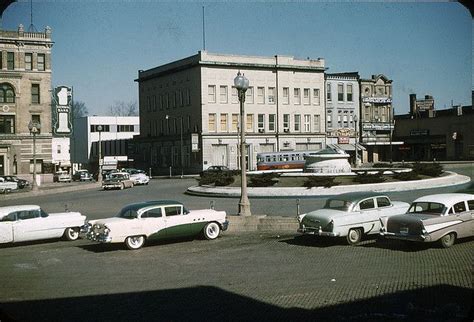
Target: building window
pixel 297 95
pixel 173 100
pixel 307 123
pixel 211 93
pixel 249 95
pixel 339 120
pixel 235 122
pixel 28 61
pixel 345 119
pixel 261 95
pixel 340 92
pixel 261 122
pixel 154 103
pixel 35 93
pixel 223 94
pixel 235 95
pixel 58 149
pixel 271 122
pixel 328 92
pixel 224 123
pixel 316 96
pixel 167 101
pixel 212 123
pixel 105 128
pixel 148 103
pixel 125 128
pixel 187 96
pixel 286 95
pixel 249 123
pixel 271 95
pixel 10 61
pixel 41 62
pixel 297 122
pixel 286 122
pixel 349 93
pixel 329 120
pixel 317 123
pixel 306 95
pixel 39 165
pixel 7 94
pixel 7 124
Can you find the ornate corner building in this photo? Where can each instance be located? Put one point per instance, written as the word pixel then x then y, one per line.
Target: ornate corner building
pixel 25 84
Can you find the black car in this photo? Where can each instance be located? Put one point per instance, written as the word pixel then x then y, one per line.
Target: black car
pixel 82 175
pixel 22 183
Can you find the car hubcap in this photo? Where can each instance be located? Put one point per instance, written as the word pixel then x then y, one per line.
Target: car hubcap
pixel 73 234
pixel 212 231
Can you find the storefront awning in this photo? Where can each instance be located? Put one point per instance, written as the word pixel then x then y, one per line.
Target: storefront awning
pixel 348 147
pixel 385 143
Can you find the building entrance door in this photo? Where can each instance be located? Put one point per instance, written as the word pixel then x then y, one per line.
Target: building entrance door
pixel 219 154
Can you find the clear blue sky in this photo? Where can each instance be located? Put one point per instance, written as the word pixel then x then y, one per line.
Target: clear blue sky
pixel 425 48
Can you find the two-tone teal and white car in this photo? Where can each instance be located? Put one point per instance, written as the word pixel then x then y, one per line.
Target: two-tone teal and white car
pixel 351 215
pixel 140 222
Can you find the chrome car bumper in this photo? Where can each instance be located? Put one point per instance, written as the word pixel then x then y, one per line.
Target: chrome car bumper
pixel 419 238
pixel 88 233
pixel 225 225
pixel 316 231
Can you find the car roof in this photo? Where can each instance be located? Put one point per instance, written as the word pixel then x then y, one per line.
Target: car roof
pixel 447 199
pixel 356 196
pixel 139 205
pixel 8 209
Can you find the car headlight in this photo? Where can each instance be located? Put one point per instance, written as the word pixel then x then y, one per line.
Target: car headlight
pixel 330 226
pixel 106 231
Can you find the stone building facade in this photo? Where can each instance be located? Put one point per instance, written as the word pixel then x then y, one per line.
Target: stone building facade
pixel 25 83
pixel 376 118
pixel 285 110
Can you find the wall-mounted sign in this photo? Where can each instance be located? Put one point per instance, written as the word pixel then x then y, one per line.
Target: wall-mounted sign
pixel 377 126
pixel 376 100
pixel 62 101
pixel 419 132
pixel 343 140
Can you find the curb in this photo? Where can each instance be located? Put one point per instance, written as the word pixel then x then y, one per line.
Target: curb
pixel 262 223
pixel 49 191
pixel 452 179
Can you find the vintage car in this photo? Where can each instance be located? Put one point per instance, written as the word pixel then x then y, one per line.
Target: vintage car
pixel 140 178
pixel 117 180
pixel 440 217
pixel 140 222
pixel 7 186
pixel 30 222
pixel 22 183
pixel 351 215
pixel 61 176
pixel 82 175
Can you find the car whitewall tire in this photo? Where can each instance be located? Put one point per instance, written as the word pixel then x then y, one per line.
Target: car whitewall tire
pixel 71 233
pixel 134 242
pixel 354 236
pixel 448 240
pixel 212 231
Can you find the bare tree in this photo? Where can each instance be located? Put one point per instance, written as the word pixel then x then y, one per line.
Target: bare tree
pixel 79 109
pixel 121 108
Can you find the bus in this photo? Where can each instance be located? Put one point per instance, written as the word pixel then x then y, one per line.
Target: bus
pixel 282 160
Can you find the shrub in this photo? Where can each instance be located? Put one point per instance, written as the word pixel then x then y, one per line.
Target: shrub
pixel 428 169
pixel 382 165
pixel 369 178
pixel 320 181
pixel 219 178
pixel 407 176
pixel 263 180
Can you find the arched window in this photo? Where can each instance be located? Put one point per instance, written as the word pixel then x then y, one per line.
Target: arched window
pixel 7 94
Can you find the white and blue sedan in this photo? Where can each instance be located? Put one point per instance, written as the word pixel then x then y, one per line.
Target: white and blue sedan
pixel 351 215
pixel 30 222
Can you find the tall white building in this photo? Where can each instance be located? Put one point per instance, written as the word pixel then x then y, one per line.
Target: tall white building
pixel 114 136
pixel 284 107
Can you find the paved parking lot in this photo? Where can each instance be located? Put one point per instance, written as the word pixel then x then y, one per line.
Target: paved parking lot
pixel 236 277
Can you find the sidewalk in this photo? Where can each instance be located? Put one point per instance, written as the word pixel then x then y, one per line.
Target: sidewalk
pixel 50 188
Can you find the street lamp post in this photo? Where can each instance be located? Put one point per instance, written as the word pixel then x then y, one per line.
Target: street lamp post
pixel 355 143
pixel 99 176
pixel 242 84
pixel 181 142
pixel 34 128
pixel 392 123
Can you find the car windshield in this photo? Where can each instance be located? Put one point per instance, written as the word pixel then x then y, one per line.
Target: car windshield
pixel 337 204
pixel 432 208
pixel 128 213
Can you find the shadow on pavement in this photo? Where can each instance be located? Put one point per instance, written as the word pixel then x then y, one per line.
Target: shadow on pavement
pixel 206 303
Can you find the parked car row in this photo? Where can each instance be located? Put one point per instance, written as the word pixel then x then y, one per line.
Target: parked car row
pixel 133 225
pixel 126 178
pixel 440 217
pixel 21 183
